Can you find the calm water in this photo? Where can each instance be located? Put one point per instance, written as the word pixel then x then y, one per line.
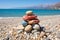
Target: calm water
pixel 21 12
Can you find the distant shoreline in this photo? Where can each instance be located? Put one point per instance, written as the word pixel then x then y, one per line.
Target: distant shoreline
pixel 34 9
pixel 21 17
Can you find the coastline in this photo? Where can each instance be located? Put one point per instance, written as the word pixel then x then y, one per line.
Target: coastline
pixel 37 15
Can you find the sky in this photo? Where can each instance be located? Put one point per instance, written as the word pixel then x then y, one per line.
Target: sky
pixel 24 3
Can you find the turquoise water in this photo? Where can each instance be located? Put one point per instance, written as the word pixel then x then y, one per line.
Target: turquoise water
pixel 21 12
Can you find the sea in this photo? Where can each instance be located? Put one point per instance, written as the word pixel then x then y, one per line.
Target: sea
pixel 21 12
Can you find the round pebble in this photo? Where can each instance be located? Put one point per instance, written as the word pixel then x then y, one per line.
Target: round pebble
pixel 36 27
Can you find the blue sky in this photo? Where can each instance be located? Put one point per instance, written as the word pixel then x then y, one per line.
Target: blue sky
pixel 24 3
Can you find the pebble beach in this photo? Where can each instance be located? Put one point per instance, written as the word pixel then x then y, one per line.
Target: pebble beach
pixel 9 31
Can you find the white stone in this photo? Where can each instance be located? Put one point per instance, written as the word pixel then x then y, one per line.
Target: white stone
pixel 33 31
pixel 36 27
pixel 19 31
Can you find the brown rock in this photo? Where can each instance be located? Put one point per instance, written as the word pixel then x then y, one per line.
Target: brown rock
pixel 14 33
pixel 42 34
pixel 47 27
pixel 31 22
pixel 28 28
pixel 47 34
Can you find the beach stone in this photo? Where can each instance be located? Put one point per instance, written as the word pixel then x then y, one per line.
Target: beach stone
pixel 47 39
pixel 6 38
pixel 50 36
pixel 31 22
pixel 28 28
pixel 20 27
pixel 59 30
pixel 19 31
pixel 47 27
pixel 58 34
pixel 57 39
pixel 42 34
pixel 36 27
pixel 48 31
pixel 24 23
pixel 47 34
pixel 36 34
pixel 14 33
pixel 33 31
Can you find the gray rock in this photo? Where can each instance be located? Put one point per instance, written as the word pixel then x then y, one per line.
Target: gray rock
pixel 7 37
pixel 33 31
pixel 19 31
pixel 36 27
pixel 47 39
pixel 58 35
pixel 36 34
pixel 48 31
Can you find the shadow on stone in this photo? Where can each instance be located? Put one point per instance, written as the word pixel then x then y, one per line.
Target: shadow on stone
pixel 42 28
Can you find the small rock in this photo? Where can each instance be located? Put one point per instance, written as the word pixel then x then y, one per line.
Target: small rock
pixel 59 30
pixel 19 31
pixel 50 36
pixel 33 31
pixel 47 39
pixel 58 34
pixel 36 34
pixel 25 33
pixel 48 31
pixel 20 27
pixel 17 36
pixel 47 34
pixel 7 37
pixel 47 27
pixel 57 39
pixel 59 24
pixel 42 34
pixel 14 33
